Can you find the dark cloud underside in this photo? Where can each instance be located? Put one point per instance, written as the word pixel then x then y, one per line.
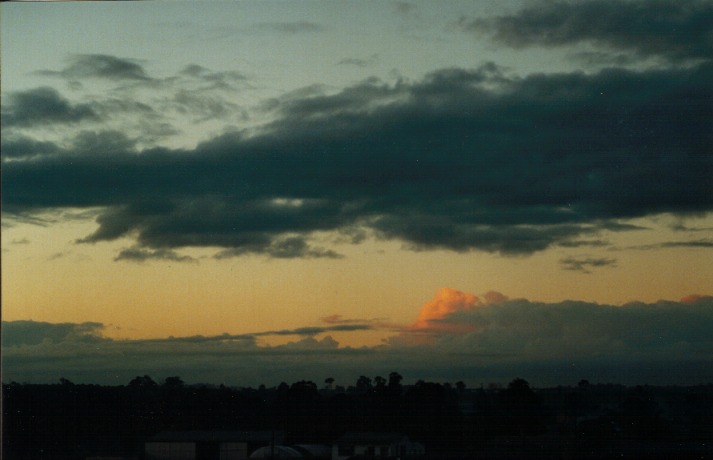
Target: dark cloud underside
pixel 100 66
pixel 675 29
pixel 464 159
pixel 584 264
pixel 43 105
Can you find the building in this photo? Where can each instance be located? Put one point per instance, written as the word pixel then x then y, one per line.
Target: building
pixel 276 452
pixel 208 445
pixel 375 445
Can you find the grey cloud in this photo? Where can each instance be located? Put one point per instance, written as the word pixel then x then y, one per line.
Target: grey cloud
pixel 661 330
pixel 373 323
pixel 358 62
pixel 338 319
pixel 461 160
pixel 584 264
pixel 309 331
pixel 405 8
pixel 290 28
pixel 106 142
pixel 113 106
pixel 217 79
pixel 203 107
pixel 297 247
pixel 316 330
pixel 311 344
pixel 142 255
pixel 23 333
pixel 682 227
pixel 549 343
pixel 675 29
pixel 703 243
pixel 600 58
pixel 103 66
pixel 581 243
pixel 279 248
pixel 23 147
pixel 43 105
pixel 20 333
pixel 353 61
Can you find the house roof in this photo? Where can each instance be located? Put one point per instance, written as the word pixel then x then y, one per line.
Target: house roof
pixel 354 437
pixel 314 450
pixel 218 436
pixel 274 452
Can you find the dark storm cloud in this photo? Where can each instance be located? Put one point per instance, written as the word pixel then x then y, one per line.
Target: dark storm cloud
pixel 102 66
pixel 42 106
pixel 461 160
pixel 584 264
pixel 675 29
pixel 551 343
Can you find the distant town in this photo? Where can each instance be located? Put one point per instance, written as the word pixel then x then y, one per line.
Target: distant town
pixel 379 417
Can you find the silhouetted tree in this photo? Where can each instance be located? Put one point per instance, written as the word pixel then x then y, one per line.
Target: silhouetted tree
pixel 395 381
pixel 142 382
pixel 173 382
pixel 522 407
pixel 363 384
pixel 380 382
pixel 329 381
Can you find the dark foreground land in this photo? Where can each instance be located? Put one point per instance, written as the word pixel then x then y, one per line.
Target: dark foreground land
pixel 71 421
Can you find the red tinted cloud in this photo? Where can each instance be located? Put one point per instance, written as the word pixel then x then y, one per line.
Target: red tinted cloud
pixel 444 303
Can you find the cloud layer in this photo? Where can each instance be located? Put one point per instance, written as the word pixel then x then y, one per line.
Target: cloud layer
pixel 677 30
pixel 462 159
pixel 482 339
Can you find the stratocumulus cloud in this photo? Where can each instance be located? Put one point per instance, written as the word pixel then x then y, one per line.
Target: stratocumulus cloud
pixel 44 105
pixel 101 66
pixel 585 264
pixel 675 29
pixel 551 343
pixel 463 159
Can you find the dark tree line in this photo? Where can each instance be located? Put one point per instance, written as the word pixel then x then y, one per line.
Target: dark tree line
pixel 49 421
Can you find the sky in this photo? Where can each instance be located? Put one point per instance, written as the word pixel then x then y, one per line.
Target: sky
pixel 244 192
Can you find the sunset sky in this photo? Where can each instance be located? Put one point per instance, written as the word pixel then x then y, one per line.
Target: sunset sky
pixel 254 191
